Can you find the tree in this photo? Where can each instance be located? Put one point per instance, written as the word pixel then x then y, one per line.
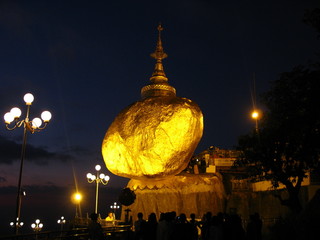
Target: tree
pixel 287 146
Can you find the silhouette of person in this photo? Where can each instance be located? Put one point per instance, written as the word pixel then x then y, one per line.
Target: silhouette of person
pixel 254 227
pixel 94 228
pixel 151 227
pixel 182 229
pixel 139 227
pixel 195 224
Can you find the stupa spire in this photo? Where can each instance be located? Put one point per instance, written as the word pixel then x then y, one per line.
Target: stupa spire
pixel 159 54
pixel 159 82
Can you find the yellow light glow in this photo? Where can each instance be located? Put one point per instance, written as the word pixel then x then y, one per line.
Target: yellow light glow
pixel 76 198
pixel 255 114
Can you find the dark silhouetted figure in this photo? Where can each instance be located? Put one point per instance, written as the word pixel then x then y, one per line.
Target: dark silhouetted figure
pixel 195 224
pixel 215 231
pixel 139 227
pixel 237 231
pixel 205 224
pixel 254 227
pixel 151 227
pixel 166 226
pixel 182 229
pixel 94 228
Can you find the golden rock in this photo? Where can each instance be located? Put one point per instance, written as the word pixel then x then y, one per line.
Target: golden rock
pixel 156 136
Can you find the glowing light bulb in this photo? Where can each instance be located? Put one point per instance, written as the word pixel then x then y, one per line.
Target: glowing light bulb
pixel 28 98
pixel 255 115
pixel 36 123
pixel 46 116
pixel 98 167
pixel 16 112
pixel 8 118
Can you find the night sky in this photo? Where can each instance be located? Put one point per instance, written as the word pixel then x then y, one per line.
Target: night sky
pixel 87 60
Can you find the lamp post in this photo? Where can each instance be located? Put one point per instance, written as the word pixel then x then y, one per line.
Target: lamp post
pixel 61 221
pixel 16 224
pixel 28 126
pixel 98 178
pixel 256 115
pixel 114 207
pixel 76 199
pixel 37 226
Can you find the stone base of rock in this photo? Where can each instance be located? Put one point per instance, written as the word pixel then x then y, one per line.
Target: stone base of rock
pixel 184 193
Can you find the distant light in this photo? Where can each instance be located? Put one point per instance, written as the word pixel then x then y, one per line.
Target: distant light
pixel 255 115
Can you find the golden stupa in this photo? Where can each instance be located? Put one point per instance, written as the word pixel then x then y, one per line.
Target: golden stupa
pixel 156 136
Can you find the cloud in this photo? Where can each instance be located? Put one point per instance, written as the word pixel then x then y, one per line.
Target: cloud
pixel 11 150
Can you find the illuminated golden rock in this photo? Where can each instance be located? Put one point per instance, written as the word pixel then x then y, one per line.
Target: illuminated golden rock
pixel 156 136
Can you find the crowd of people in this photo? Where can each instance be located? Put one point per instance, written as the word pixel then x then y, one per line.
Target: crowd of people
pixel 217 227
pixel 171 226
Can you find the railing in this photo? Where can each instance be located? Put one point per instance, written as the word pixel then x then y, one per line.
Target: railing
pixel 111 233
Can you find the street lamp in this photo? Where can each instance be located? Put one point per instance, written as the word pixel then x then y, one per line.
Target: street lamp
pixel 37 226
pixel 61 221
pixel 98 178
pixel 76 199
pixel 114 207
pixel 29 126
pixel 16 224
pixel 256 116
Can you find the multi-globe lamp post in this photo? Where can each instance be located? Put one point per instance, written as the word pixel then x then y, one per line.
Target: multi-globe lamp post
pixel 16 224
pixel 114 207
pixel 37 226
pixel 12 121
pixel 61 222
pixel 97 178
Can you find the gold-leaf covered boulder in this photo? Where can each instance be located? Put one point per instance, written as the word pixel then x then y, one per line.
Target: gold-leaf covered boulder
pixel 156 136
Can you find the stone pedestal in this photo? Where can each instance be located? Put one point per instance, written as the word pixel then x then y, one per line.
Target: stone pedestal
pixel 184 193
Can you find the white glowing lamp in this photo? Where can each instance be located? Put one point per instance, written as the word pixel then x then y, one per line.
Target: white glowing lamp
pixel 89 175
pixel 8 118
pixel 36 123
pixel 28 98
pixel 16 112
pixel 98 167
pixel 102 175
pixel 46 116
pixel 107 178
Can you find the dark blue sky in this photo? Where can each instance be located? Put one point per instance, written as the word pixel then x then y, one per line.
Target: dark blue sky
pixel 87 60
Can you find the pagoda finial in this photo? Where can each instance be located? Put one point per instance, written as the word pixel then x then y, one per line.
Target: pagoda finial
pixel 158 73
